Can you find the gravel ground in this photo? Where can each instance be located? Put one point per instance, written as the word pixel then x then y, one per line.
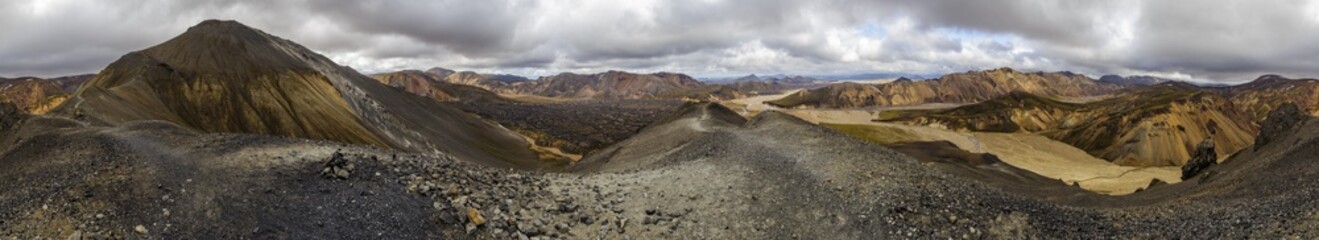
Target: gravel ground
pixel 704 173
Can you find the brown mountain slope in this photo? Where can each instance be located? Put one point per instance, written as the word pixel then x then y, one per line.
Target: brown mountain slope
pixel 32 95
pixel 1268 92
pixel 495 83
pixel 969 87
pixel 1156 126
pixel 222 76
pixel 427 85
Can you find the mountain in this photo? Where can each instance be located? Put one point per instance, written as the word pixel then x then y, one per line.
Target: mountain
pixel 222 76
pixel 747 78
pixel 1129 81
pixel 969 87
pixel 794 80
pixel 496 83
pixel 1267 92
pixel 32 95
pixel 611 85
pixel 427 85
pixel 1155 126
pixel 440 72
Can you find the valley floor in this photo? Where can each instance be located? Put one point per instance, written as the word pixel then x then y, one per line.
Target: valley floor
pixel 1038 154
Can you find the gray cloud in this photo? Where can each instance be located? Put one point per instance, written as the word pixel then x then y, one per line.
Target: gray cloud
pixel 1218 40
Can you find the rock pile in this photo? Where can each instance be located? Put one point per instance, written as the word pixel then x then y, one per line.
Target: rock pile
pixel 337 167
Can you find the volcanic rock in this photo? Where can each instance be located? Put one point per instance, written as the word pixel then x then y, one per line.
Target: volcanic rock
pixel 1203 158
pixel 1281 121
pixel 222 76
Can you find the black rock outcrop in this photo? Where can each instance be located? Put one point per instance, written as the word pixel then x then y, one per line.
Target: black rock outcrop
pixel 1279 122
pixel 1202 158
pixel 10 115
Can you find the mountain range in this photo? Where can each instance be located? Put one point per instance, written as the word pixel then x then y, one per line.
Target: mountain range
pixel 968 87
pixel 226 131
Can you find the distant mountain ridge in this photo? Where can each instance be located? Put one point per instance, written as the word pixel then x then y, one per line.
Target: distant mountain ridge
pixel 968 87
pixel 616 85
pixel 1133 80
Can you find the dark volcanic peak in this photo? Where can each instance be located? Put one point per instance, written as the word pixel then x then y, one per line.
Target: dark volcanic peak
pixel 223 76
pixel 611 84
pixel 1270 79
pixel 231 48
pixel 747 78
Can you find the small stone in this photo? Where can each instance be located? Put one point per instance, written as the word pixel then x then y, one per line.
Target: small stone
pixel 622 225
pixel 651 210
pixel 448 217
pixel 140 229
pixel 100 216
pixel 475 216
pixel 562 227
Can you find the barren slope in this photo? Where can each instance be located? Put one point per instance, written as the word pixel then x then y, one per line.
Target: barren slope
pixel 1155 126
pixel 221 76
pixel 32 95
pixel 969 87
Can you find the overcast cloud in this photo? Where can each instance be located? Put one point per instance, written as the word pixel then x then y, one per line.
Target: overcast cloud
pixel 1215 40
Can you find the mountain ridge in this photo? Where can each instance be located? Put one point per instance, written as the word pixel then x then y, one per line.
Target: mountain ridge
pixel 222 76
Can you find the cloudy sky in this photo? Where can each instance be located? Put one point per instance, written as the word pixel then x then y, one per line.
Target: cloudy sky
pixel 1214 40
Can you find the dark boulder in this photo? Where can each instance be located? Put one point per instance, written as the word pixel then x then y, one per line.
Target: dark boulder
pixel 1279 123
pixel 10 115
pixel 1203 157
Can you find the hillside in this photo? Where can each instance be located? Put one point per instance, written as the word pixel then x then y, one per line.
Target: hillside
pixel 1267 92
pixel 1132 81
pixel 222 76
pixel 968 87
pixel 611 85
pixel 1155 126
pixel 32 95
pixel 495 83
pixel 715 175
pixel 427 85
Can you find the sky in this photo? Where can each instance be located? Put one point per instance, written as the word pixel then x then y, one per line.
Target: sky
pixel 1207 40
